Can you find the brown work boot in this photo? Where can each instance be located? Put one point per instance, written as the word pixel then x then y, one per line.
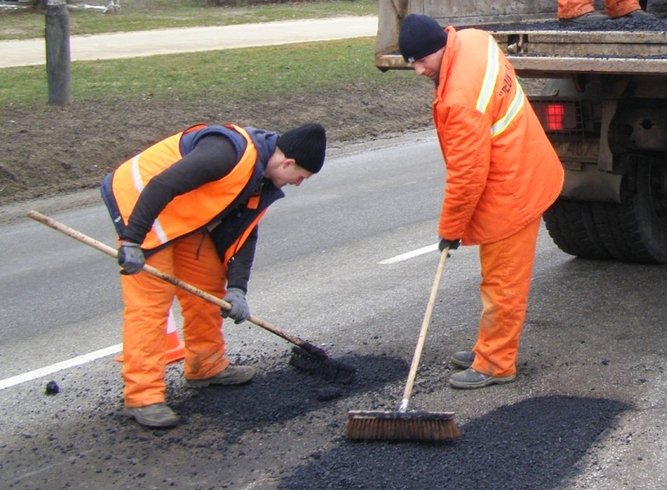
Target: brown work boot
pixel 471 379
pixel 586 18
pixel 156 415
pixel 232 375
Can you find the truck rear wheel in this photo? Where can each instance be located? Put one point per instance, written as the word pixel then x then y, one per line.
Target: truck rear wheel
pixel 570 225
pixel 634 230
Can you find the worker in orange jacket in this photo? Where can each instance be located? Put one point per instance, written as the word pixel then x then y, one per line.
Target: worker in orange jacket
pixel 502 174
pixel 584 10
pixel 190 206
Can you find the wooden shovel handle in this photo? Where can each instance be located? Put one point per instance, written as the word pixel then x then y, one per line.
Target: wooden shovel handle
pixel 102 247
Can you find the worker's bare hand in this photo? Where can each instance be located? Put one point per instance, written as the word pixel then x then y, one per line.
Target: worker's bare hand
pixel 130 257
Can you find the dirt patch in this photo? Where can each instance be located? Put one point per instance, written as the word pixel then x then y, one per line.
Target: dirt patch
pixel 54 152
pixel 48 150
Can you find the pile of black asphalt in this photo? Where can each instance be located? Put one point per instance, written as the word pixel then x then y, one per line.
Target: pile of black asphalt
pixel 622 24
pixel 279 431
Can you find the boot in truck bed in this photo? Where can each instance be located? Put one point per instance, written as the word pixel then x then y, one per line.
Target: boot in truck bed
pixel 603 106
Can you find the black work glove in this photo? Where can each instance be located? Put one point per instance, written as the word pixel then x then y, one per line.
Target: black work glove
pixel 130 257
pixel 240 311
pixel 451 244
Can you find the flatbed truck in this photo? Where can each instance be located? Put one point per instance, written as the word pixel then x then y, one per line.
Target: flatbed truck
pixel 603 104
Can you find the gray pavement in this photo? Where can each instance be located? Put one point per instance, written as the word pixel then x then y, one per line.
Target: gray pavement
pixel 168 41
pixel 588 410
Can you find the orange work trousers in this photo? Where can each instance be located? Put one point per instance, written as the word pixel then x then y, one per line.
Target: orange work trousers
pixel 147 301
pixel 568 9
pixel 507 268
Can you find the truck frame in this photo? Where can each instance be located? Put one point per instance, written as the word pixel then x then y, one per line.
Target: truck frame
pixel 603 104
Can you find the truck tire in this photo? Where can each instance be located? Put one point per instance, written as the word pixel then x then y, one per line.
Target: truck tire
pixel 571 227
pixel 634 230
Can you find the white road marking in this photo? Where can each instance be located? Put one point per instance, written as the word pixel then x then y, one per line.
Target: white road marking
pixel 59 366
pixel 114 349
pixel 410 255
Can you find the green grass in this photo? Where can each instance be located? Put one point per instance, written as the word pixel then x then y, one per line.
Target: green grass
pixel 155 14
pixel 309 67
pixel 276 70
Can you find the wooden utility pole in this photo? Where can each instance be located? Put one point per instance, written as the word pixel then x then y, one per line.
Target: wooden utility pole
pixel 58 62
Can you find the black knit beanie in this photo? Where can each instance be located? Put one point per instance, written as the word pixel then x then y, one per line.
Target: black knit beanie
pixel 420 36
pixel 306 144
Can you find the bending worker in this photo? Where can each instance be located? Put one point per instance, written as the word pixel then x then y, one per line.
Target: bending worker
pixel 190 206
pixel 502 174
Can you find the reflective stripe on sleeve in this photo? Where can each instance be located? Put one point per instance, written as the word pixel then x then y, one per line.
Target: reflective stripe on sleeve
pixel 512 111
pixel 490 76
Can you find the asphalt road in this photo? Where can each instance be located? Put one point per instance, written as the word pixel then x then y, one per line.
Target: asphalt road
pixel 588 410
pixel 169 41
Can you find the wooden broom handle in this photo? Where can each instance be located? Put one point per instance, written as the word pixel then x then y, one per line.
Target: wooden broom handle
pixel 424 329
pixel 50 222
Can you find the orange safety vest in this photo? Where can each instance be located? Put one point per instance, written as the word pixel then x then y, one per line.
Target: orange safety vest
pixel 190 211
pixel 502 171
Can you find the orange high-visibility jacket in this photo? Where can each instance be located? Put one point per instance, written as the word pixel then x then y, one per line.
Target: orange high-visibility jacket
pixel 502 172
pixel 193 210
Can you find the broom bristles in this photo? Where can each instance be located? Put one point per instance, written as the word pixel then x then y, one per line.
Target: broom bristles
pixel 401 426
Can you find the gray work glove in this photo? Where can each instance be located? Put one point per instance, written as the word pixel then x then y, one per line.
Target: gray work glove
pixel 451 244
pixel 240 310
pixel 130 257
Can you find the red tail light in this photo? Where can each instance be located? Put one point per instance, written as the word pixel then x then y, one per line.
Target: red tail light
pixel 555 115
pixel 559 116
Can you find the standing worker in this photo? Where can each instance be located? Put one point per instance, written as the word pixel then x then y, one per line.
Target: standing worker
pixel 580 11
pixel 502 174
pixel 189 206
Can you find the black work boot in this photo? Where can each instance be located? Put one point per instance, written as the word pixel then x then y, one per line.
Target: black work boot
pixel 636 14
pixel 462 358
pixel 657 7
pixel 471 379
pixel 587 18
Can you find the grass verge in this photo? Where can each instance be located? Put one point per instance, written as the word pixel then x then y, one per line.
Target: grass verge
pixel 139 15
pixel 234 73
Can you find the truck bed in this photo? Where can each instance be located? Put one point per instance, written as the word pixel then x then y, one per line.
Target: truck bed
pixel 619 47
pixel 552 49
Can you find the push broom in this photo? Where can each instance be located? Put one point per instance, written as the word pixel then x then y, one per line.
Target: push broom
pixel 403 425
pixel 305 356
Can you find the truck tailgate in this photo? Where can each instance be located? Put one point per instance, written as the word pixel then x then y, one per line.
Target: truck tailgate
pixel 554 53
